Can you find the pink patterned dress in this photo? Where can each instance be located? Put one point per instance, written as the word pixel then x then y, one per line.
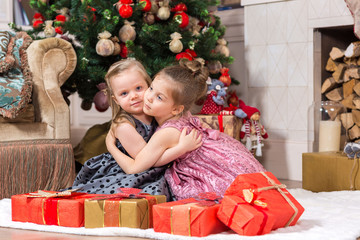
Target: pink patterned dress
pixel 210 168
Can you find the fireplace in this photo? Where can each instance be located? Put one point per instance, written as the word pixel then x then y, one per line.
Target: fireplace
pixel 324 40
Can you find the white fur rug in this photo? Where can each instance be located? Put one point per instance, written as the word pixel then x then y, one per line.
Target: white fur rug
pixel 328 215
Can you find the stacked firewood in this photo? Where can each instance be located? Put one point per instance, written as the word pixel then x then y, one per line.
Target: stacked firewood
pixel 344 86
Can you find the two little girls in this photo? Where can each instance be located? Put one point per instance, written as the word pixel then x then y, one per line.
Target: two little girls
pixel 214 165
pixel 127 81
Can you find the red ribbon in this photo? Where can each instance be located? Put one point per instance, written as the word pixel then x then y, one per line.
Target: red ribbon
pixel 221 125
pixel 50 211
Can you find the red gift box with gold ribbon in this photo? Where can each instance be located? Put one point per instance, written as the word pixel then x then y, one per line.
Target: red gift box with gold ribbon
pixel 50 208
pixel 188 217
pixel 258 203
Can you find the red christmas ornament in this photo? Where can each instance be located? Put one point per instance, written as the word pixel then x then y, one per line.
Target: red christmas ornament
pixel 124 50
pixel 60 18
pixel 145 4
pixel 181 7
pixel 225 77
pixel 184 19
pixel 37 23
pixel 125 11
pixel 39 16
pixel 59 30
pixel 189 54
pixel 126 1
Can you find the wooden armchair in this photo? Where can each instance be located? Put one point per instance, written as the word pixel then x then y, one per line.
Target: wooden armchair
pixel 35 149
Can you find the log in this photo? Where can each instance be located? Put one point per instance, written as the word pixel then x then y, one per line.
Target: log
pixel 348 101
pixel 348 87
pixel 328 84
pixel 354 132
pixel 335 94
pixel 331 65
pixel 356 102
pixel 333 111
pixel 336 53
pixel 347 120
pixel 352 72
pixel 356 117
pixel 351 61
pixel 339 72
pixel 353 50
pixel 357 89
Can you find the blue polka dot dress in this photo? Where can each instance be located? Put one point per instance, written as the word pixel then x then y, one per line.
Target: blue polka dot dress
pixel 102 174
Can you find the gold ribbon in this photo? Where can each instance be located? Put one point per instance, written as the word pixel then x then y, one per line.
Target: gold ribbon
pixel 44 194
pixel 279 188
pixel 188 214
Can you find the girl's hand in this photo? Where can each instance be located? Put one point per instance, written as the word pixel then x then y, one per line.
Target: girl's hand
pixel 191 141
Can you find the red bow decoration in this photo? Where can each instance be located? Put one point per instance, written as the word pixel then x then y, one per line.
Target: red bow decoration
pixel 132 193
pixel 208 199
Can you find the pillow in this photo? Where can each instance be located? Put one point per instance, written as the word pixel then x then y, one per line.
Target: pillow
pixel 7 41
pixel 16 82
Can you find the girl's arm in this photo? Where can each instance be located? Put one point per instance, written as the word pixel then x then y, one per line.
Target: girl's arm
pixel 129 138
pixel 149 155
pixel 186 144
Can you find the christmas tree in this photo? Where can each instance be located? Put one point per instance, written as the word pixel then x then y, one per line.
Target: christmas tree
pixel 155 32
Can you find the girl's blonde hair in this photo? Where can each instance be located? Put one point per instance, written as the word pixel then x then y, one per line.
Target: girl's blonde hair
pixel 117 68
pixel 190 82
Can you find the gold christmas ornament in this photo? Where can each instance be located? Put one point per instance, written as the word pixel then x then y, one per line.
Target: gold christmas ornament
pixel 214 67
pixel 117 47
pixel 176 45
pixel 164 11
pixel 149 18
pixel 194 26
pixel 222 48
pixel 49 30
pixel 127 32
pixel 154 7
pixel 104 47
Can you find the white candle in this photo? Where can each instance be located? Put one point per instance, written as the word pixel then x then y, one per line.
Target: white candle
pixel 329 136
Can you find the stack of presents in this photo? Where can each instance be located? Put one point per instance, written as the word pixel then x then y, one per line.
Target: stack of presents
pixel 254 204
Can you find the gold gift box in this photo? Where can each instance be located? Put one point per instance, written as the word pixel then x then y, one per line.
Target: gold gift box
pixel 329 171
pixel 231 124
pixel 132 213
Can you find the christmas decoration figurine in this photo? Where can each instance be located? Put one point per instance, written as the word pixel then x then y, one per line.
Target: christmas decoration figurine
pixel 214 102
pixel 252 132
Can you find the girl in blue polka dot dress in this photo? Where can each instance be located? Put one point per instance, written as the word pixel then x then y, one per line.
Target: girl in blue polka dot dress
pixel 127 81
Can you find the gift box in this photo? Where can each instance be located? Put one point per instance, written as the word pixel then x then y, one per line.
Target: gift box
pixel 229 124
pixel 188 217
pixel 54 209
pixel 133 211
pixel 329 171
pixel 257 203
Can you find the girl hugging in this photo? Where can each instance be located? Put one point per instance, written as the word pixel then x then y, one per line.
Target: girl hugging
pixel 214 165
pixel 127 81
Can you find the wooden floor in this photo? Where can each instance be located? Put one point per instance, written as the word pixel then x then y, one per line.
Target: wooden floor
pixel 16 234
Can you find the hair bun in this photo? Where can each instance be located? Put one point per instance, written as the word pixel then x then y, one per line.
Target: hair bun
pixel 194 66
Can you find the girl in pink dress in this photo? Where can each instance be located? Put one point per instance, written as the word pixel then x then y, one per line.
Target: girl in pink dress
pixel 214 165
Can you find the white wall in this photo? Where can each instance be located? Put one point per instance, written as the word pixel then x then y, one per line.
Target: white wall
pixel 279 72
